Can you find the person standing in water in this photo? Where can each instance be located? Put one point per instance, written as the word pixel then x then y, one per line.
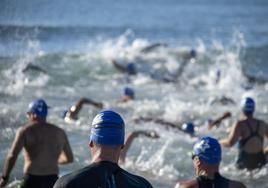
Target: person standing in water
pixel 250 133
pixel 45 146
pixel 206 156
pixel 106 142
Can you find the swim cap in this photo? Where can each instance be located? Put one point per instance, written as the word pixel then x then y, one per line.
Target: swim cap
pixel 248 105
pixel 38 107
pixel 188 128
pixel 108 128
pixel 193 53
pixel 129 92
pixel 131 69
pixel 208 149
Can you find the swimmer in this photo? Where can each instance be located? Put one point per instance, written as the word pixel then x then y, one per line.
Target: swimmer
pixel 188 128
pixel 72 113
pixel 130 138
pixel 130 68
pixel 33 67
pixel 128 95
pixel 106 142
pixel 45 146
pixel 223 100
pixel 206 157
pixel 152 47
pixel 249 132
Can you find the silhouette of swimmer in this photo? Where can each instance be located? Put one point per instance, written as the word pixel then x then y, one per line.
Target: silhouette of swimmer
pixel 188 128
pixel 152 47
pixel 33 67
pixel 130 68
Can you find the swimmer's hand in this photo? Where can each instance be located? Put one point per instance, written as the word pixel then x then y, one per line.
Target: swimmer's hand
pixel 3 181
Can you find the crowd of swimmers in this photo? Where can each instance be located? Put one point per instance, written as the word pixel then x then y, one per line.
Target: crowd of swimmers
pixel 45 145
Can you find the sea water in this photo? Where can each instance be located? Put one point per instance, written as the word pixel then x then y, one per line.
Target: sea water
pixel 75 42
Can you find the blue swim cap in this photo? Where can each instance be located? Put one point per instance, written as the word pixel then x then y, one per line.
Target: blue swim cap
pixel 207 149
pixel 193 53
pixel 188 128
pixel 38 107
pixel 108 128
pixel 248 105
pixel 129 92
pixel 131 69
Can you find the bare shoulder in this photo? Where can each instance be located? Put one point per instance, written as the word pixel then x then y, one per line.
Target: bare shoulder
pixel 236 184
pixel 56 129
pixel 187 184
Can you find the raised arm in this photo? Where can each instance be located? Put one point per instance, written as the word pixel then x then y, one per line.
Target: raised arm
pixel 233 136
pixel 74 111
pixel 11 158
pixel 217 121
pixel 118 66
pixel 131 136
pixel 66 155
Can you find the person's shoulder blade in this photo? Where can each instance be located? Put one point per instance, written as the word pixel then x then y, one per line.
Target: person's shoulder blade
pixel 132 181
pixel 78 179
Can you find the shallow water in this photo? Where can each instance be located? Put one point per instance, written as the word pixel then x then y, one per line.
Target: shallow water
pixel 76 47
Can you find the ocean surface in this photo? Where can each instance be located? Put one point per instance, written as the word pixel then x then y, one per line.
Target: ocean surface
pixel 75 41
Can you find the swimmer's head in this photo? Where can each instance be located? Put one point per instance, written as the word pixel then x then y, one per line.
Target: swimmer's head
pixel 129 92
pixel 248 106
pixel 108 128
pixel 193 53
pixel 188 128
pixel 38 107
pixel 131 69
pixel 208 150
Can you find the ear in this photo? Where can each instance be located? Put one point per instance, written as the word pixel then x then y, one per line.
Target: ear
pixel 197 162
pixel 91 144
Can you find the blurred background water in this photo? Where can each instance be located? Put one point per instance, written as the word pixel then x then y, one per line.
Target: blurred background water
pixel 74 41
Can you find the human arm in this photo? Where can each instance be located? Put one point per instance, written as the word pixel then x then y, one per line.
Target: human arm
pixel 131 137
pixel 66 155
pixel 31 66
pixel 118 66
pixel 233 136
pixel 217 121
pixel 74 110
pixel 11 158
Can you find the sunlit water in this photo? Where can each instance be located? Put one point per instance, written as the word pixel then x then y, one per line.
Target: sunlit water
pixel 77 54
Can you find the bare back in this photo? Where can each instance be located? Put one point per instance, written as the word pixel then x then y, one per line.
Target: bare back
pixel 42 145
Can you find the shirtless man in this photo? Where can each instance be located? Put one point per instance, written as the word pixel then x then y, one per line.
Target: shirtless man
pixel 250 133
pixel 106 142
pixel 206 156
pixel 44 145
